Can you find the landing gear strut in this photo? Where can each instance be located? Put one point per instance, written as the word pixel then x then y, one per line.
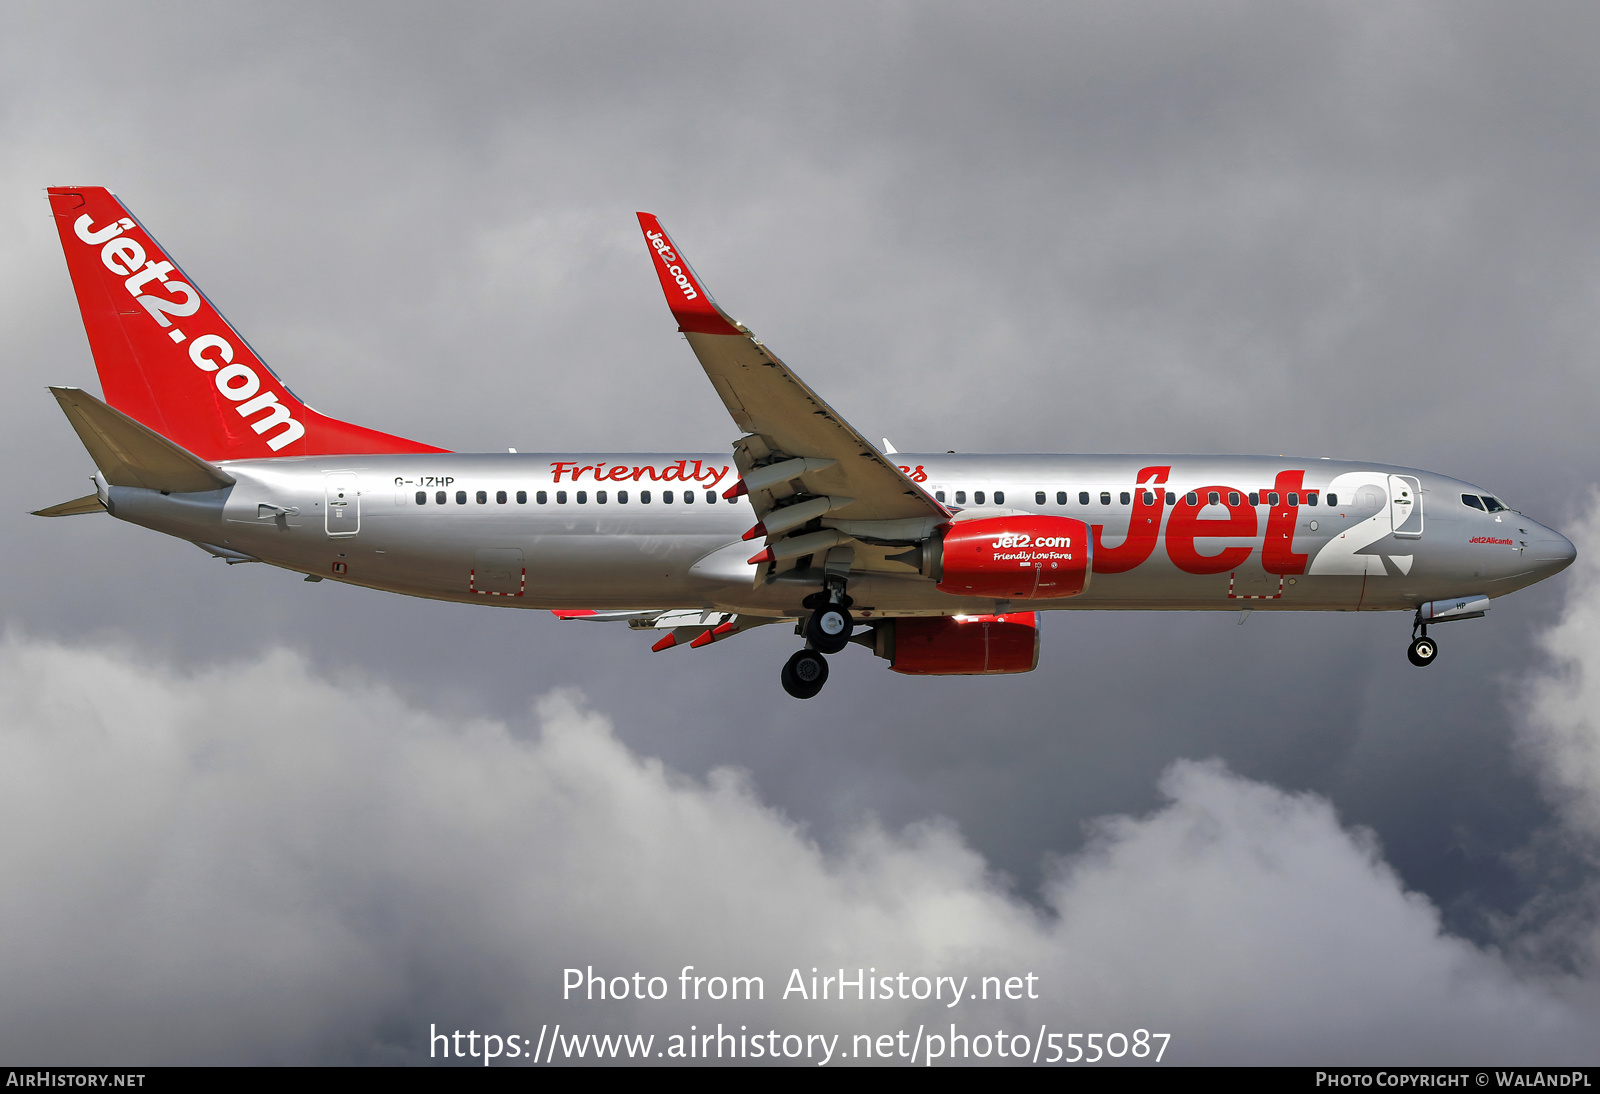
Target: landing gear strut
pixel 829 626
pixel 1423 649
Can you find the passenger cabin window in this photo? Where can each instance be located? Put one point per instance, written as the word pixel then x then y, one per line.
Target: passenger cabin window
pixel 1172 499
pixel 561 497
pixel 1213 498
pixel 1294 499
pixel 1333 499
pixel 461 497
pixel 583 497
pixel 961 497
pixel 666 497
pixel 1255 498
pixel 1083 497
pixel 1311 499
pixel 422 498
pixel 938 495
pixel 688 497
pixel 1272 497
pixel 439 498
pixel 1233 497
pixel 522 497
pixel 1061 497
pixel 1192 498
pixel 500 497
pixel 483 497
pixel 622 497
pixel 541 497
pixel 1473 500
pixel 711 497
pixel 1126 497
pixel 999 497
pixel 1038 497
pixel 644 497
pixel 977 497
pixel 599 497
pixel 1105 497
pixel 1149 498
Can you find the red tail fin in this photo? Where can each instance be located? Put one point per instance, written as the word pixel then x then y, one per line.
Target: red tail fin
pixel 169 359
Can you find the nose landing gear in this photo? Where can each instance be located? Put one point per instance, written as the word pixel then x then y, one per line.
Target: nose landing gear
pixel 1423 650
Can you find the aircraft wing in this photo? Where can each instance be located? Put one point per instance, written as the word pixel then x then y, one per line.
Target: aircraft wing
pixel 797 449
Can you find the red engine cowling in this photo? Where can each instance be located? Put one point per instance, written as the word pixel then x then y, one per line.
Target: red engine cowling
pixel 1020 557
pixel 961 645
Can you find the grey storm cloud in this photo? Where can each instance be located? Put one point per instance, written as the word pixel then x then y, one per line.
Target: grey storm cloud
pixel 259 819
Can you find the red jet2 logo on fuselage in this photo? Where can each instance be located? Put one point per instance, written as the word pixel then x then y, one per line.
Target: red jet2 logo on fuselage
pixel 1185 528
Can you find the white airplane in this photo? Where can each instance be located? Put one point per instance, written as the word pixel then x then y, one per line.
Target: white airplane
pixel 936 562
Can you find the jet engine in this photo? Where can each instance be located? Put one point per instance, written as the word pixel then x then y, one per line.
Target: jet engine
pixel 959 645
pixel 1021 557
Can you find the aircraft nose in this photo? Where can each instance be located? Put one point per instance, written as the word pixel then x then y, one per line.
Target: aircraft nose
pixel 1552 552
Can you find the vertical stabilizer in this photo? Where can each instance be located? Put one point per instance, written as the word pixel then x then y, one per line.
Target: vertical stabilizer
pixel 168 359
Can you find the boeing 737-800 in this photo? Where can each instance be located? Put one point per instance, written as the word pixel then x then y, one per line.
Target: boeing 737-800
pixel 938 563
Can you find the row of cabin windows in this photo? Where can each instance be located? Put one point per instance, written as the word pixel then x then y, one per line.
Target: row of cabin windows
pixel 442 497
pixel 977 497
pixel 1213 497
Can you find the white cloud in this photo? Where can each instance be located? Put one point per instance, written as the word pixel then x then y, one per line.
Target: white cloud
pixel 255 862
pixel 1562 729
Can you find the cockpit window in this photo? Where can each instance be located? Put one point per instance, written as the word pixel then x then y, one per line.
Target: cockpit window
pixel 1493 504
pixel 1472 500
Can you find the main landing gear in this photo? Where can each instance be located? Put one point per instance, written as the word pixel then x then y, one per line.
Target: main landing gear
pixel 805 673
pixel 1423 649
pixel 827 630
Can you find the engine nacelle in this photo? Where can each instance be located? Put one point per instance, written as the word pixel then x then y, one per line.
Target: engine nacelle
pixel 961 645
pixel 1022 557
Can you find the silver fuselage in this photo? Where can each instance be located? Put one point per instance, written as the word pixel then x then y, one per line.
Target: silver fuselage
pixel 435 526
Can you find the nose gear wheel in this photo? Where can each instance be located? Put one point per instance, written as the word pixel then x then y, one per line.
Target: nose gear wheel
pixel 1423 650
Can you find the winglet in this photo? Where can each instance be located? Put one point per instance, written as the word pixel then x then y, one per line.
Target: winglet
pixel 691 304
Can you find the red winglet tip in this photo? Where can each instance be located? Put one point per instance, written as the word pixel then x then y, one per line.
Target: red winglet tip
pixel 756 532
pixel 737 490
pixel 665 644
pixel 688 299
pixel 764 556
pixel 704 640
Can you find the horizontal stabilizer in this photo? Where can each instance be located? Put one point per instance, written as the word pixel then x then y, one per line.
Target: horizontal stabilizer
pixel 89 503
pixel 130 454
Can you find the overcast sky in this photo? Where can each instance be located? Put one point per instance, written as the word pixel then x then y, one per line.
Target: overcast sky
pixel 245 818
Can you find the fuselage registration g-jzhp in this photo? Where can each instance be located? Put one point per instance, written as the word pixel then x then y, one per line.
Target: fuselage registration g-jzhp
pixel 938 563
